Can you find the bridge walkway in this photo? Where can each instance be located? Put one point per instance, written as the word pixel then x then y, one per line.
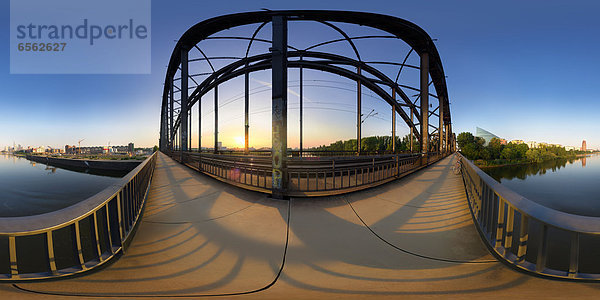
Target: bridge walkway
pixel 409 238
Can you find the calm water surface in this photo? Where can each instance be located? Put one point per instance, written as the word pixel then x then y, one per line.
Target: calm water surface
pixel 28 188
pixel 572 186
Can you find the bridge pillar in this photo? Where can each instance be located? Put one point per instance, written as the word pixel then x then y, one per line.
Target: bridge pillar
pixel 441 125
pixel 171 102
pixel 394 121
pixel 183 113
pixel 200 124
pixel 446 138
pixel 279 107
pixel 358 113
pixel 424 122
pixel 216 119
pixel 246 110
pixel 411 129
pixel 163 119
pixel 190 122
pixel 301 108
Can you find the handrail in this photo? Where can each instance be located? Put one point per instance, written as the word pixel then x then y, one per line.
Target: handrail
pixel 528 235
pixel 76 238
pixel 307 176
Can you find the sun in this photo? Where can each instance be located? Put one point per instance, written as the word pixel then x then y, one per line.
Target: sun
pixel 239 141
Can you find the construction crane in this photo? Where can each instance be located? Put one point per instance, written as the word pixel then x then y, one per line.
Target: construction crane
pixel 79 143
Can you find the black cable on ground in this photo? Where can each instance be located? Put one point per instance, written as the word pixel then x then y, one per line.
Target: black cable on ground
pixel 201 221
pixel 413 253
pixel 287 239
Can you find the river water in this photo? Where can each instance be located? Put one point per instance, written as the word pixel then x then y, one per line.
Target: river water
pixel 28 188
pixel 568 185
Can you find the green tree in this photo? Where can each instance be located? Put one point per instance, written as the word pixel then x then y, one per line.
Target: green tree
pixel 485 154
pixel 471 151
pixel 464 138
pixel 507 153
pixel 534 155
pixel 521 150
pixel 495 147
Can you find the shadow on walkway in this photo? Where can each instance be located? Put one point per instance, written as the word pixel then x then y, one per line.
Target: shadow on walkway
pixel 412 237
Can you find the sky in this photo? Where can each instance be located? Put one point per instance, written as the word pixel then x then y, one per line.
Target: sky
pixel 519 69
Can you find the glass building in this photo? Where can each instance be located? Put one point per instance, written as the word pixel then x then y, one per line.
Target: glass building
pixel 486 135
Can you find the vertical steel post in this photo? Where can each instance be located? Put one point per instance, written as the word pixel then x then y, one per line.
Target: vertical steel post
pixel 216 119
pixel 161 140
pixel 246 110
pixel 446 137
pixel 424 68
pixel 542 255
pixel 574 255
pixel 183 113
pixel 190 127
pixel 301 106
pixel 441 125
pixel 411 129
pixel 452 138
pixel 279 106
pixel 358 113
pixel 199 124
pixel 171 102
pixel 394 121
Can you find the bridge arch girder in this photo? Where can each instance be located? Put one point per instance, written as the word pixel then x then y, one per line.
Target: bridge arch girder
pixel 281 57
pixel 410 33
pixel 262 62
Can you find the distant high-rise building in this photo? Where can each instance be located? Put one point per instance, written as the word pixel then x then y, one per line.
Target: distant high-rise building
pixel 486 135
pixel 583 146
pixel 130 148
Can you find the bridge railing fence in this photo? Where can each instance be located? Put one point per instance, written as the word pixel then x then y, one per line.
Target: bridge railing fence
pixel 528 235
pixel 307 175
pixel 77 238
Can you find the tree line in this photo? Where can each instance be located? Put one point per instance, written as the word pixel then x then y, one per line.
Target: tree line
pixel 474 148
pixel 372 144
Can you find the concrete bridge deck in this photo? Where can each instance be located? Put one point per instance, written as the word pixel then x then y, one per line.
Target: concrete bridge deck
pixel 410 238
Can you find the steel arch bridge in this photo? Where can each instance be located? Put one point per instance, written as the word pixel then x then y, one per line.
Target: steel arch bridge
pixel 283 172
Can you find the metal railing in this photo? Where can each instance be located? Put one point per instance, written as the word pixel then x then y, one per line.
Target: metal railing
pixel 293 153
pixel 77 238
pixel 307 175
pixel 530 236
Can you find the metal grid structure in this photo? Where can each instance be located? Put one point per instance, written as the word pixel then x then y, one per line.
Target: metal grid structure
pixel 281 173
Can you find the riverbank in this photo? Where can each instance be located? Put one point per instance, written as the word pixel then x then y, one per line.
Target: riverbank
pixel 104 165
pixel 483 164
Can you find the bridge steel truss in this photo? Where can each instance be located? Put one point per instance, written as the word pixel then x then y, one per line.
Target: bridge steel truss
pixel 175 123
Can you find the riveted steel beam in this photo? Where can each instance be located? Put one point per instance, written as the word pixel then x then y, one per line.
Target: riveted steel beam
pixel 279 106
pixel 424 70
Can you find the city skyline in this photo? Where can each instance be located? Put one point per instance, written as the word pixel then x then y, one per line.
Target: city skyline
pixel 513 73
